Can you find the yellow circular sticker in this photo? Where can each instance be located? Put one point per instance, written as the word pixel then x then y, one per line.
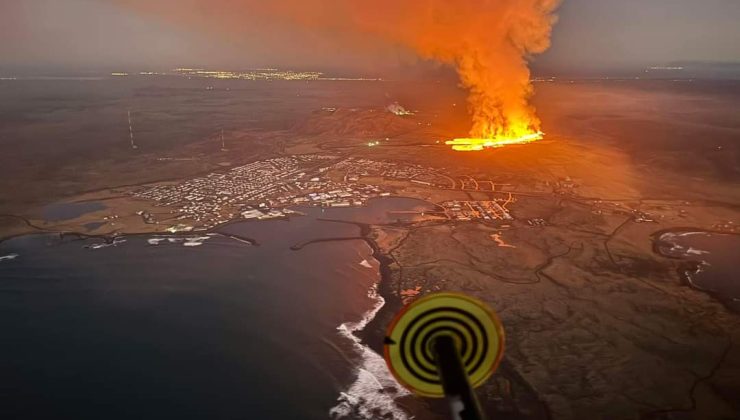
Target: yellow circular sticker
pixel 475 328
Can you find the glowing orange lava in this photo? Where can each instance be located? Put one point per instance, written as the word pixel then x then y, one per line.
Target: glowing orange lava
pixel 490 43
pixel 478 144
pixel 500 124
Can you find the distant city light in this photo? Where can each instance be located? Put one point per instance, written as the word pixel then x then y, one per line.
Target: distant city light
pixel 665 68
pixel 262 74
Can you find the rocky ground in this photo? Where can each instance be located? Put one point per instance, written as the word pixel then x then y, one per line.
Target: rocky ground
pixel 596 323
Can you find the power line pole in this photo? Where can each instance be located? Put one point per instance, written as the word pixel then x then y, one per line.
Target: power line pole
pixel 131 131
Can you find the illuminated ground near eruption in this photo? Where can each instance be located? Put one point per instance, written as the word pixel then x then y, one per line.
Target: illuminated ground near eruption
pixel 478 144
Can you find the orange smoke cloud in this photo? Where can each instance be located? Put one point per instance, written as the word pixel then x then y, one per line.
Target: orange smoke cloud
pixel 488 41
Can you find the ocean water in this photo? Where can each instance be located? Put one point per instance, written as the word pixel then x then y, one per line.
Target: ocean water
pixel 66 211
pixel 207 326
pixel 714 258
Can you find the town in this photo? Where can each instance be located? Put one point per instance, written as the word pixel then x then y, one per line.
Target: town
pixel 269 188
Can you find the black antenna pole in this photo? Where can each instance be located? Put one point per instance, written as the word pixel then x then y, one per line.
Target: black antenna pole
pixel 463 403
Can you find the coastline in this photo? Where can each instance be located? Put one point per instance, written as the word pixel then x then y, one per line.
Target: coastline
pixel 688 265
pixel 374 391
pixel 110 238
pixel 367 334
pixel 374 332
pixel 370 331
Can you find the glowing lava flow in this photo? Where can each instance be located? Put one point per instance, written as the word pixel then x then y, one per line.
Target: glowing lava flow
pixel 477 144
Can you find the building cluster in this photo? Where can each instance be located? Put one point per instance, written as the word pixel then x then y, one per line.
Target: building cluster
pixel 354 168
pixel 220 197
pixel 269 188
pixel 642 217
pixel 477 210
pixel 600 207
pixel 565 186
pixel 147 217
pixel 259 190
pixel 397 109
pixel 334 194
pixel 726 226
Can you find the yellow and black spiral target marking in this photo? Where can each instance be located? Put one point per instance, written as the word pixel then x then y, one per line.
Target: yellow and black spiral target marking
pixel 476 330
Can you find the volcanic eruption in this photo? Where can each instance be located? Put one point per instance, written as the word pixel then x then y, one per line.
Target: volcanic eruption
pixel 489 42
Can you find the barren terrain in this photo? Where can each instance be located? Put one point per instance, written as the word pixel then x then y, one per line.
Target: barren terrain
pixel 597 324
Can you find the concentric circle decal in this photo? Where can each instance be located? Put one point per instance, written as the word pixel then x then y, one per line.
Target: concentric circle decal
pixel 475 329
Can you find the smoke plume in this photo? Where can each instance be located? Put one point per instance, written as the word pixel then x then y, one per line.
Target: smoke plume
pixel 488 41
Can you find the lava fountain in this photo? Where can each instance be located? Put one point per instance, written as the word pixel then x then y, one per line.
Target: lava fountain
pixel 489 42
pixel 478 144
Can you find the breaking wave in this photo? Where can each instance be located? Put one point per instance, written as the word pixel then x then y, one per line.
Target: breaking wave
pixel 100 245
pixel 8 257
pixel 373 393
